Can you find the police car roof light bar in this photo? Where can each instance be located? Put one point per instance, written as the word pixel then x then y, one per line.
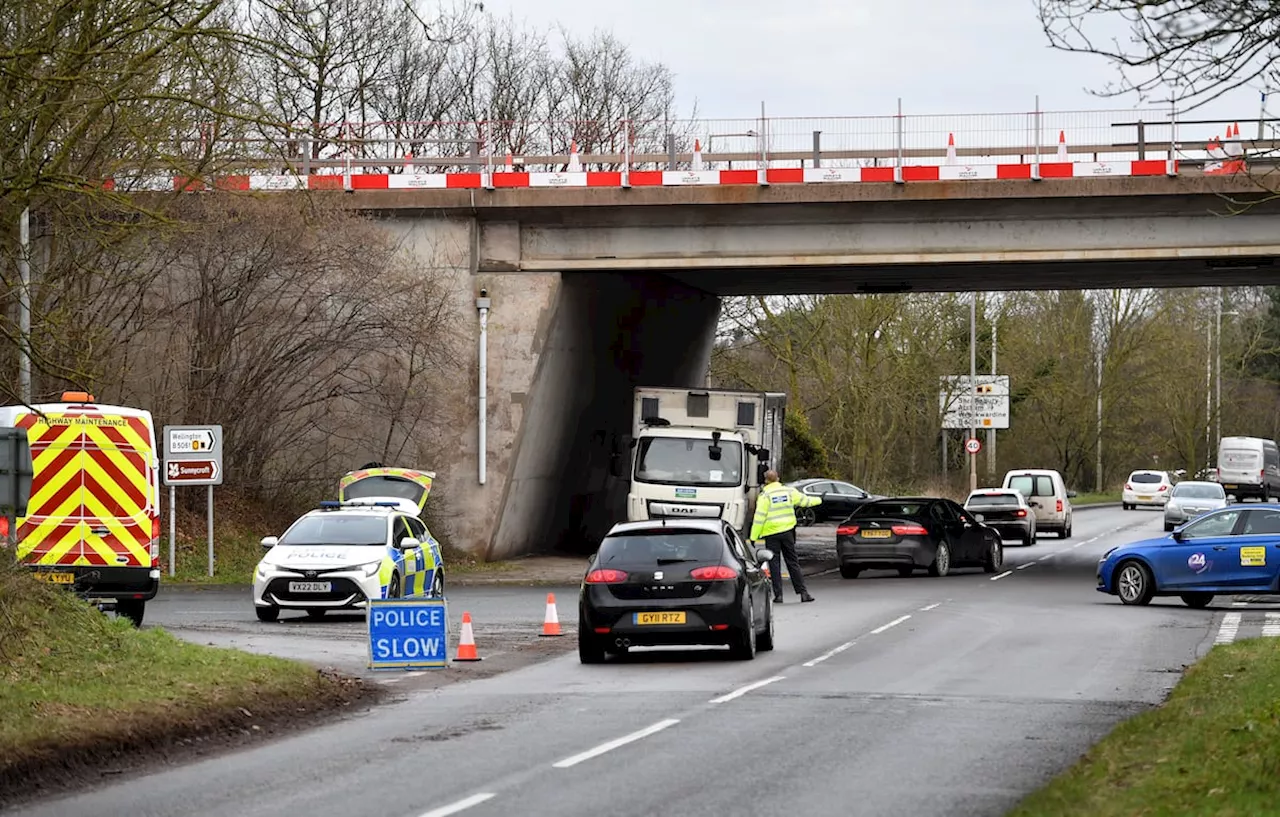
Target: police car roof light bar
pixel 329 503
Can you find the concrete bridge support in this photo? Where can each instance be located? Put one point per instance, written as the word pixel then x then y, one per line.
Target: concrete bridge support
pixel 564 352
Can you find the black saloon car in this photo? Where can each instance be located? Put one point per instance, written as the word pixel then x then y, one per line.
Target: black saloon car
pixel 675 582
pixel 839 499
pixel 915 532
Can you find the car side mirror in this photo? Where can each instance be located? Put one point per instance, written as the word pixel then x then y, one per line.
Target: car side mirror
pixel 269 542
pixel 409 542
pixel 1177 536
pixel 764 555
pixel 1071 494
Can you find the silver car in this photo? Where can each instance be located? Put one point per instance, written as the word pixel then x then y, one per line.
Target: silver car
pixel 1190 499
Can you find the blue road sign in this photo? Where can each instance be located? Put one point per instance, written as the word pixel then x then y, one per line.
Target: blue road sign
pixel 408 634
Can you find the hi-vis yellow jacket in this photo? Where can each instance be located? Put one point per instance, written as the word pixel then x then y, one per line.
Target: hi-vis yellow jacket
pixel 776 509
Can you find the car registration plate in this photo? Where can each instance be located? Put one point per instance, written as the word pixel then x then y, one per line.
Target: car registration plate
pixel 1230 486
pixel 660 618
pixel 55 578
pixel 876 534
pixel 310 587
pixel 1148 498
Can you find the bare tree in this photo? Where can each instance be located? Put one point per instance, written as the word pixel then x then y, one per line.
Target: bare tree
pixel 1198 49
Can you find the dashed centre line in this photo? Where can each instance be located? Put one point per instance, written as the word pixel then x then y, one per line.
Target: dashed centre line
pixel 609 746
pixel 894 623
pixel 740 691
pixel 461 805
pixel 1002 575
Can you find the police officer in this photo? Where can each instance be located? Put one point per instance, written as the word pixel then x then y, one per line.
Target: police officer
pixel 775 523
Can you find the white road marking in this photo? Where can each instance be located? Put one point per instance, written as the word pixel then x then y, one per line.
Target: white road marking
pixel 461 805
pixel 846 645
pixel 610 746
pixel 1002 575
pixel 1239 604
pixel 930 607
pixel 1230 626
pixel 740 691
pixel 1272 628
pixel 1025 566
pixel 894 623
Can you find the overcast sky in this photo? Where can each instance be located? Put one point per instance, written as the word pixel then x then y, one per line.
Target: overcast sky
pixel 816 58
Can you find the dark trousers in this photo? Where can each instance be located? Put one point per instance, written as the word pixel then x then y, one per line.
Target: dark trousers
pixel 783 546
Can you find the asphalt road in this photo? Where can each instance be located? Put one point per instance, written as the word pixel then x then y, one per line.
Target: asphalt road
pixel 918 696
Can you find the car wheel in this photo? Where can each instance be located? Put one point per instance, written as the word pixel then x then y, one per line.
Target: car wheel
pixel 1029 538
pixel 1199 601
pixel 994 558
pixel 905 572
pixel 1133 583
pixel 764 641
pixel 806 516
pixel 393 589
pixel 849 571
pixel 1126 506
pixel 437 585
pixel 941 560
pixel 743 647
pixel 132 610
pixel 316 613
pixel 1068 536
pixel 267 613
pixel 590 650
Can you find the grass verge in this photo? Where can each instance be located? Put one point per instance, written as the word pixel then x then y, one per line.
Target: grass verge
pixel 1095 499
pixel 79 689
pixel 1211 749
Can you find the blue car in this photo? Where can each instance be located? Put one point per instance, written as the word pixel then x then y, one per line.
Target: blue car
pixel 1230 551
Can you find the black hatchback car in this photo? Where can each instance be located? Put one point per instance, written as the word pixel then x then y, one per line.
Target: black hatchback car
pixel 675 582
pixel 915 532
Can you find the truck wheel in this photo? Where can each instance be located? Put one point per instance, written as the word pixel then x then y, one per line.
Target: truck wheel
pixel 132 610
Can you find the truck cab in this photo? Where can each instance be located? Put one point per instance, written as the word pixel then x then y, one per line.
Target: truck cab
pixel 702 453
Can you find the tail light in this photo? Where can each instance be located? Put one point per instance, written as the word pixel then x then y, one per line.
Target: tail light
pixel 1059 506
pixel 847 530
pixel 1128 487
pixel 1019 513
pixel 1164 487
pixel 910 530
pixel 605 576
pixel 4 527
pixel 155 540
pixel 713 574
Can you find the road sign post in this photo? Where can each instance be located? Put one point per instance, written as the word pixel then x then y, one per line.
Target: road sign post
pixel 408 634
pixel 192 456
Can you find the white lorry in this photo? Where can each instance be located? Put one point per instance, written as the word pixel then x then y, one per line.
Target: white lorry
pixel 702 452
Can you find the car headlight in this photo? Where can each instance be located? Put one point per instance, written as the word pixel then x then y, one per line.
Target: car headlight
pixel 372 568
pixel 262 570
pixel 1107 554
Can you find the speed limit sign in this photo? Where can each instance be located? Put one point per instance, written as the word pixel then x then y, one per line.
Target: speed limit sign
pixel 973 445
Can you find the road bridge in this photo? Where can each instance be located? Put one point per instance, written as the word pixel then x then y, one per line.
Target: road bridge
pixel 604 270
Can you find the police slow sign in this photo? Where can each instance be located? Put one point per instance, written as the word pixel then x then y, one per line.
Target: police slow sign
pixel 408 634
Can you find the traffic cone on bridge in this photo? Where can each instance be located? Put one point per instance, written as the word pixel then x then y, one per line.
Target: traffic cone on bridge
pixel 575 163
pixel 408 163
pixel 551 623
pixel 1063 156
pixel 467 642
pixel 697 164
pixel 951 148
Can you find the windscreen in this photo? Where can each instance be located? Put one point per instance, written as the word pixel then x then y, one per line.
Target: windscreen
pixel 661 548
pixel 1146 478
pixel 383 487
pixel 1032 484
pixel 1202 491
pixel 684 461
pixel 993 501
pixel 337 529
pixel 890 508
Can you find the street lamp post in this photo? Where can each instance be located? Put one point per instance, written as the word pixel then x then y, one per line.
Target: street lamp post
pixel 973 388
pixel 1217 414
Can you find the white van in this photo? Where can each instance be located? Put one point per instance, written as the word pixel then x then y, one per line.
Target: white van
pixel 1249 466
pixel 1047 492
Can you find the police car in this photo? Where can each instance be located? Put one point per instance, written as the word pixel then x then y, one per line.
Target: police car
pixel 344 553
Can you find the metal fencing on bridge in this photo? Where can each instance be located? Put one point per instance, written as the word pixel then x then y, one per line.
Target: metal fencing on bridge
pixel 902 147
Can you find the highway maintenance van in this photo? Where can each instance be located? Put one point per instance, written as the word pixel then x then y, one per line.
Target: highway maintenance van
pixel 93 521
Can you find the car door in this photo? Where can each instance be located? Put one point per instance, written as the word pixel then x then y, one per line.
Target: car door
pixel 822 490
pixel 414 562
pixel 756 580
pixel 1255 550
pixel 951 527
pixel 1202 554
pixel 845 498
pixel 971 531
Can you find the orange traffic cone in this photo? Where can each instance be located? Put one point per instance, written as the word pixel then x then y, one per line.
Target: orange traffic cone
pixel 951 148
pixel 467 641
pixel 551 625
